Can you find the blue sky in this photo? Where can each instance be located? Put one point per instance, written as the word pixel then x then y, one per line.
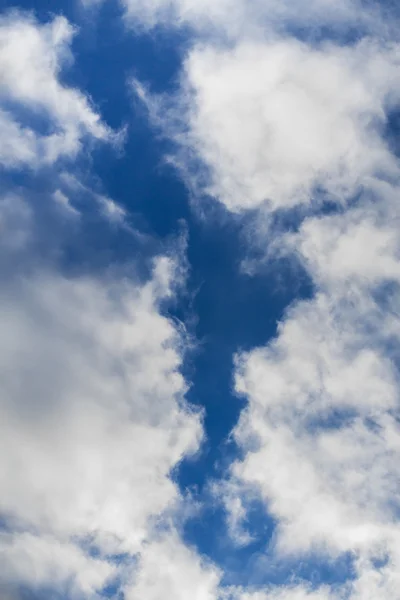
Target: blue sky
pixel 199 300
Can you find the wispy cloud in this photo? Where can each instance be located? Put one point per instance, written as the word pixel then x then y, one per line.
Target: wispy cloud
pixel 237 19
pixel 41 119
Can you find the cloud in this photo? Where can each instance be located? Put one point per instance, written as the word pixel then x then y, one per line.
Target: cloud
pixel 286 593
pixel 33 560
pixel 92 411
pixel 63 202
pixel 92 405
pixel 236 19
pixel 168 568
pixel 274 122
pixel 321 403
pixel 109 209
pixel 321 435
pixel 41 118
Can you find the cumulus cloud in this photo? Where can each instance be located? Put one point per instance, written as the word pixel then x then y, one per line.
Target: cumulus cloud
pixel 41 118
pixel 92 414
pixel 321 431
pixel 276 124
pixel 168 568
pixel 322 398
pixel 92 404
pixel 36 560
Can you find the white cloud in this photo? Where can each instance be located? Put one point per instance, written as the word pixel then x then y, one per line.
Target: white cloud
pixel 248 18
pixel 32 560
pixel 113 212
pixel 65 205
pixel 18 144
pixel 93 417
pixel 272 121
pixel 276 122
pixel 285 593
pixel 41 118
pixel 169 569
pixel 320 436
pixel 352 250
pixel 321 433
pixel 104 413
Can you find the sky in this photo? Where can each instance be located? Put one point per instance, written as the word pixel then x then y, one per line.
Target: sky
pixel 199 300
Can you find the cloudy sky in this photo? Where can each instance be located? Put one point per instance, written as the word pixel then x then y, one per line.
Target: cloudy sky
pixel 199 300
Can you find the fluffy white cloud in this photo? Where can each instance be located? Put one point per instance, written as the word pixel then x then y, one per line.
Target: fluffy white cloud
pixel 92 401
pixel 321 433
pixel 93 417
pixel 36 560
pixel 274 121
pixel 168 568
pixel 93 414
pixel 41 118
pixel 271 123
pixel 92 411
pixel 322 399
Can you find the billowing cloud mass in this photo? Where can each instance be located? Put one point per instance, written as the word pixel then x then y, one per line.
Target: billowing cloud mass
pixel 167 568
pixel 92 406
pixel 92 420
pixel 286 123
pixel 282 108
pixel 276 121
pixel 323 399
